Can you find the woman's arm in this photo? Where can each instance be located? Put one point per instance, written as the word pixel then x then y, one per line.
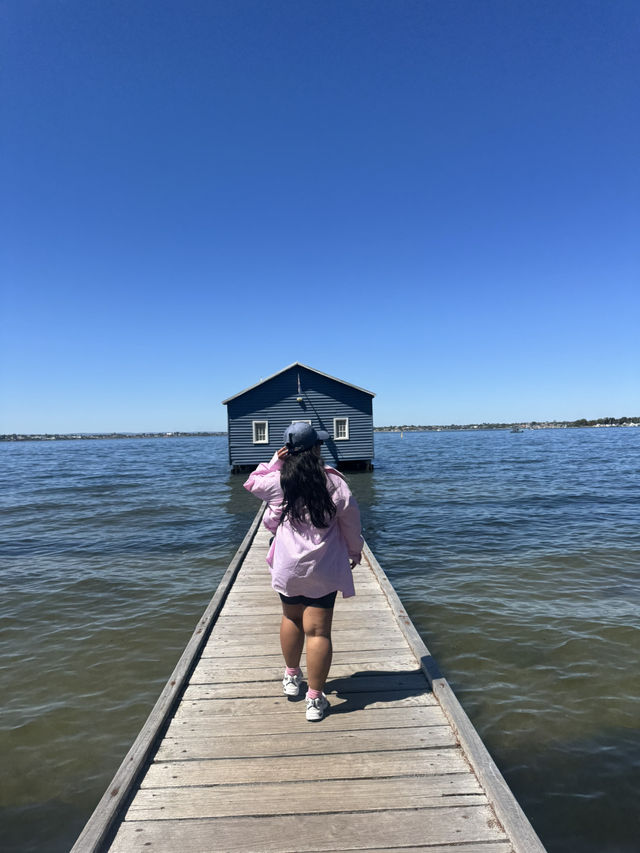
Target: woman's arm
pixel 262 481
pixel 348 514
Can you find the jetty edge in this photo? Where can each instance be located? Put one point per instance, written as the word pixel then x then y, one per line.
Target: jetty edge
pixel 508 811
pixel 255 806
pixel 112 806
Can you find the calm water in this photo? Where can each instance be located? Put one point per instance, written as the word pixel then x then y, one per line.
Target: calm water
pixel 517 556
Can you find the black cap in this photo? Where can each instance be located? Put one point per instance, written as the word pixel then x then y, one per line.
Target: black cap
pixel 301 436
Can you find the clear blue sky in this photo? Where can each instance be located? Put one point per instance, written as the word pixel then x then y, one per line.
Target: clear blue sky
pixel 437 201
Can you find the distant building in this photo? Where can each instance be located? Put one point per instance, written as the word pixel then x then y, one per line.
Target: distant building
pixel 258 416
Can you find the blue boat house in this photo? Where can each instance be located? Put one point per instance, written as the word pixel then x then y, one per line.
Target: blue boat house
pixel 258 416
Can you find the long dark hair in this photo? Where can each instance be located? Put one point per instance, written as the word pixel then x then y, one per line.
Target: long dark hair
pixel 304 484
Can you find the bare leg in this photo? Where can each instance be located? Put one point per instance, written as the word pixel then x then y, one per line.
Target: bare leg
pixel 317 628
pixel 292 633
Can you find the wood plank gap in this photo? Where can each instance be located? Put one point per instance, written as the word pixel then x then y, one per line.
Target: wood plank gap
pixel 369 750
pixel 381 728
pixel 259 783
pixel 359 811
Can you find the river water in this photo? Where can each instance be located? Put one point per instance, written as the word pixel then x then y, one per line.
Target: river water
pixel 516 555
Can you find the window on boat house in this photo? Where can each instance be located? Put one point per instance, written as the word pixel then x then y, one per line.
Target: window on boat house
pixel 260 432
pixel 341 429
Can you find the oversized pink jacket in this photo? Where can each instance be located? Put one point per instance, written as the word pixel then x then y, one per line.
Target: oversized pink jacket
pixel 303 559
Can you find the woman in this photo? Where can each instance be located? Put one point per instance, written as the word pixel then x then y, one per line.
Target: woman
pixel 317 542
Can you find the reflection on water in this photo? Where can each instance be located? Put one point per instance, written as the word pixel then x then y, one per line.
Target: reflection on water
pixel 516 556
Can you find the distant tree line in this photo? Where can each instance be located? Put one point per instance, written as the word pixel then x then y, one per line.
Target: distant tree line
pixel 91 436
pixel 582 422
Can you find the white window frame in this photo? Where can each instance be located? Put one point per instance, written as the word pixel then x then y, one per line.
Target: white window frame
pixel 264 440
pixel 301 422
pixel 345 437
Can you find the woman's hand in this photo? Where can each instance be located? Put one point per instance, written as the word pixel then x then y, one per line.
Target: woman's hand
pixel 282 453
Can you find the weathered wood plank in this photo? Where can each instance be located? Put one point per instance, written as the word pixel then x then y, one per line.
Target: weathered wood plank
pixel 202 725
pixel 389 648
pixel 213 671
pixel 267 626
pixel 268 612
pixel 358 765
pixel 288 833
pixel 363 640
pixel 411 683
pixel 274 612
pixel 197 700
pixel 223 636
pixel 305 743
pixel 340 656
pixel 315 797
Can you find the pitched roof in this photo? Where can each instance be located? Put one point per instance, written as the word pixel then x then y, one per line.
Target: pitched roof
pixel 306 367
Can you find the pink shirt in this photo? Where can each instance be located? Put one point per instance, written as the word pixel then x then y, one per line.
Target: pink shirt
pixel 303 559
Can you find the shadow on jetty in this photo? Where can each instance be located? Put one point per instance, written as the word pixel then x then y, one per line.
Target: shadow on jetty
pixel 367 687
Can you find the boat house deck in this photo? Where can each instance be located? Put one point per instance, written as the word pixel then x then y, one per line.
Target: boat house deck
pixel 227 763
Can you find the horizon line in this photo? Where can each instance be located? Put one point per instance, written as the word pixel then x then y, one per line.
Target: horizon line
pixel 579 422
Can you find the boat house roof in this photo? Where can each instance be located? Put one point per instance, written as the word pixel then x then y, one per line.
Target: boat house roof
pixel 296 364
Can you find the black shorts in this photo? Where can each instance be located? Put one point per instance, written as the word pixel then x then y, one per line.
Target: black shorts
pixel 326 602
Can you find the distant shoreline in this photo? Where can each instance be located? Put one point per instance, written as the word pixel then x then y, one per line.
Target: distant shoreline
pixel 94 436
pixel 520 425
pixel 579 424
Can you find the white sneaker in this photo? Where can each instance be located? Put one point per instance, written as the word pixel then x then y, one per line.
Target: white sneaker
pixel 316 708
pixel 291 684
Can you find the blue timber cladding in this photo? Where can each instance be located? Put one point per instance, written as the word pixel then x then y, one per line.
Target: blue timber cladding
pixel 323 399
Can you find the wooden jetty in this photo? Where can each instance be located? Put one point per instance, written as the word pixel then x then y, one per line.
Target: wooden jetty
pixel 225 762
